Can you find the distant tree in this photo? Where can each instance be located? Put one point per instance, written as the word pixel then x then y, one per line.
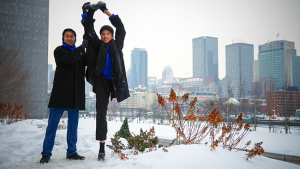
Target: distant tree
pixel 255 105
pixel 153 108
pixel 125 129
pixel 286 101
pixel 14 79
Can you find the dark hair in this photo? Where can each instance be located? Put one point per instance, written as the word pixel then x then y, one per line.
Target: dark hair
pixel 107 27
pixel 66 30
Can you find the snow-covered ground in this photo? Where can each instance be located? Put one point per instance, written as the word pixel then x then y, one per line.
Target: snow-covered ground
pixel 21 145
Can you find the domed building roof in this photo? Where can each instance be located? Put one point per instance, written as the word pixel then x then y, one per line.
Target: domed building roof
pixel 168 68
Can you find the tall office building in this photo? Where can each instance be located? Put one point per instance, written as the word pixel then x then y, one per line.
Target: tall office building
pixel 255 71
pixel 24 26
pixel 205 57
pixel 239 67
pixel 167 75
pixel 278 60
pixel 138 72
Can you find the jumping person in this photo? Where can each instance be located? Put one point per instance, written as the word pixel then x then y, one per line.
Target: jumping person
pixel 106 69
pixel 68 93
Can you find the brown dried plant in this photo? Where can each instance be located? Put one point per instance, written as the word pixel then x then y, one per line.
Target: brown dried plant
pixel 14 79
pixel 231 135
pixel 9 115
pixel 189 129
pixel 196 126
pixel 62 124
pixel 257 150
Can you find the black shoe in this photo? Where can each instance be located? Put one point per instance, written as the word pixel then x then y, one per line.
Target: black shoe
pixel 44 159
pixel 75 156
pixel 101 157
pixel 86 7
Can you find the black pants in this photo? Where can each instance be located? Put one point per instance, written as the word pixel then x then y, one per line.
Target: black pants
pixel 103 90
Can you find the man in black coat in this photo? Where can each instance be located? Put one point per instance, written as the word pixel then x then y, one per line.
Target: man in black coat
pixel 106 69
pixel 68 93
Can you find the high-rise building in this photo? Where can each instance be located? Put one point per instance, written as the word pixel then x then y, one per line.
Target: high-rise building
pixel 24 26
pixel 278 60
pixel 239 67
pixel 255 70
pixel 167 75
pixel 205 57
pixel 139 68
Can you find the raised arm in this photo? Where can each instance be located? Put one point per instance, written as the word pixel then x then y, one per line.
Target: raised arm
pixel 120 31
pixel 88 24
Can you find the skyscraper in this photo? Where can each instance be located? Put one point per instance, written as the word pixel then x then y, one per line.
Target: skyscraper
pixel 167 75
pixel 239 67
pixel 138 73
pixel 278 60
pixel 205 57
pixel 255 71
pixel 24 26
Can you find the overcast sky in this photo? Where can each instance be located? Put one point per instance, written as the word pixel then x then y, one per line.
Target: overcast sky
pixel 165 28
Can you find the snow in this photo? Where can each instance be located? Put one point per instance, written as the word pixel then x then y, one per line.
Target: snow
pixel 21 145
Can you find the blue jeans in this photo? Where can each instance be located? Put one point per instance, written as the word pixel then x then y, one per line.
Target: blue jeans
pixel 54 117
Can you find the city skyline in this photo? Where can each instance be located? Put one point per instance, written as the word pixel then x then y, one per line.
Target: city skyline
pixel 168 35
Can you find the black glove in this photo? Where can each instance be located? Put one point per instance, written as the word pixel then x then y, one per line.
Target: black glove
pixel 99 5
pixel 86 7
pixel 84 43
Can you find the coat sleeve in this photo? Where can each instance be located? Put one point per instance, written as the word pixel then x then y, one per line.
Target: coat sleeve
pixel 84 59
pixel 63 55
pixel 90 34
pixel 120 31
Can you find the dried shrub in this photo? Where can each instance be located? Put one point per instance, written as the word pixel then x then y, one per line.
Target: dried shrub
pixel 195 127
pixel 231 135
pixel 14 79
pixel 190 129
pixel 9 115
pixel 257 150
pixel 62 124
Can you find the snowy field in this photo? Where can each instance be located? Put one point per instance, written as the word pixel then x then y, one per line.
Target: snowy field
pixel 21 145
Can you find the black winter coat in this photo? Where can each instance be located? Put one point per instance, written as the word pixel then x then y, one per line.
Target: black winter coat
pixel 96 57
pixel 68 85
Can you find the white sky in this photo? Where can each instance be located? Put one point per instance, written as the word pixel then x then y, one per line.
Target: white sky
pixel 166 27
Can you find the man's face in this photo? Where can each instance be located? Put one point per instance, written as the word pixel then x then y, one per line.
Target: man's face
pixel 69 38
pixel 106 36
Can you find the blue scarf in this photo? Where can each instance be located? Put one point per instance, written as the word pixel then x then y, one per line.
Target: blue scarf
pixel 72 48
